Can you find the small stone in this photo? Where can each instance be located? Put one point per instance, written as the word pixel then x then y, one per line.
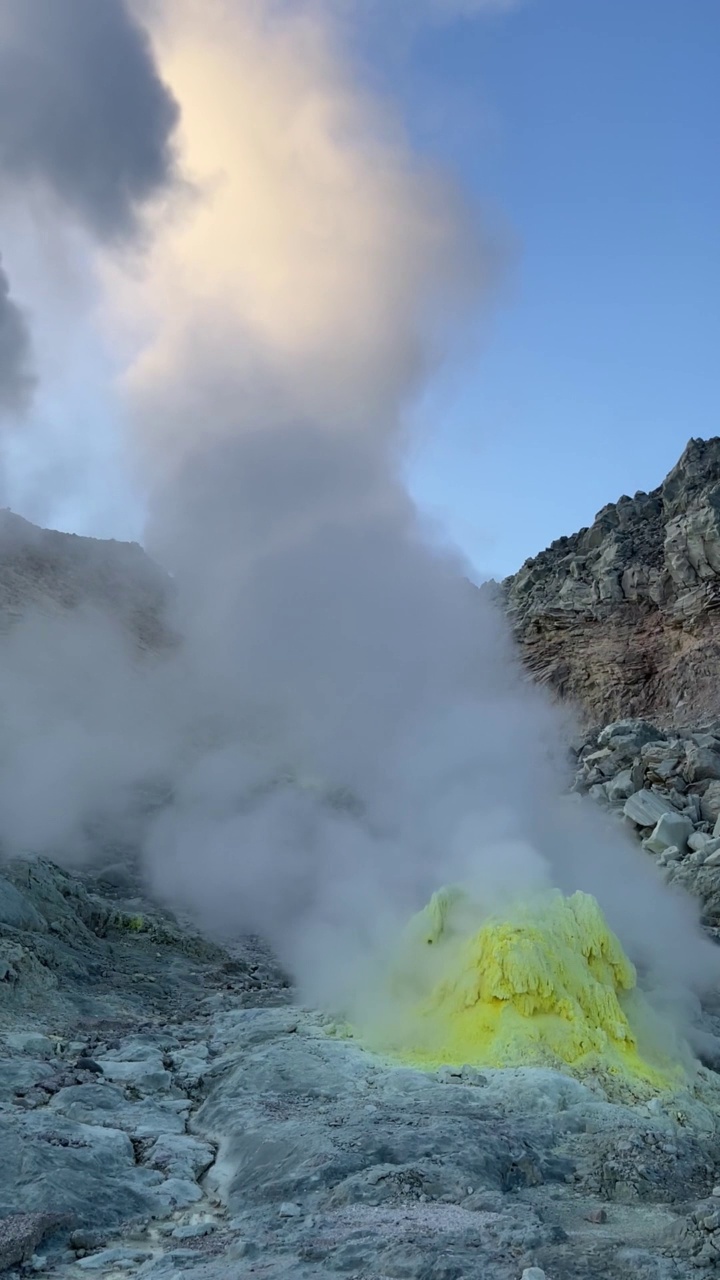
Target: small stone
pixel 111 1258
pixel 702 841
pixel 242 1249
pixel 621 787
pixel 31 1098
pixel 179 1193
pixel 672 854
pixel 86 1239
pixel 289 1210
pixel 89 1064
pixel 533 1273
pixel 596 1215
pixel 194 1232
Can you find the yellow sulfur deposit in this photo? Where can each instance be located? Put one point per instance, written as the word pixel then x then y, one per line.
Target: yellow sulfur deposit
pixel 547 984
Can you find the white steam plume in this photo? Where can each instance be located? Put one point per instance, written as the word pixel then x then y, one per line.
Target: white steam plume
pixel 298 306
pixel 293 309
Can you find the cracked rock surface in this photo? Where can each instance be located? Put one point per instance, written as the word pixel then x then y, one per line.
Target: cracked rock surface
pixel 167 1111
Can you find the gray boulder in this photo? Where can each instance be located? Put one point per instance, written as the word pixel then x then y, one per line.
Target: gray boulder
pixel 626 732
pixel 702 840
pixel 701 764
pixel 671 829
pixel 645 808
pixel 621 787
pixel 710 802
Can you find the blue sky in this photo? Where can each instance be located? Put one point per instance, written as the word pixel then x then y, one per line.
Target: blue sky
pixel 589 128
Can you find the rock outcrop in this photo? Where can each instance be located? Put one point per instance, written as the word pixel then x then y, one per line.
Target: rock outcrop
pixel 623 618
pixel 53 571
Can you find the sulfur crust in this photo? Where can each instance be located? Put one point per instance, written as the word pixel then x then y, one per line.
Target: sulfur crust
pixel 546 984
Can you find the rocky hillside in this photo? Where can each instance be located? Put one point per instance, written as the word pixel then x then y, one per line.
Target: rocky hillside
pixel 56 571
pixel 623 618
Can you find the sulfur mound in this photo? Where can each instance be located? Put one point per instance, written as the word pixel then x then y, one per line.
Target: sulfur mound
pixel 546 984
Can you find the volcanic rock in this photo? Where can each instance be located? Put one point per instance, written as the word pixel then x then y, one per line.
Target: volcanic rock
pixel 646 808
pixel 622 617
pixel 672 830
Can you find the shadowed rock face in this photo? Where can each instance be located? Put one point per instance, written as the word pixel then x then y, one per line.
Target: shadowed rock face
pixel 623 618
pixel 55 571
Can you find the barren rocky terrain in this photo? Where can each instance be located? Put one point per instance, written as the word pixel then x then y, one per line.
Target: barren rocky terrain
pixel 622 618
pixel 56 572
pixel 168 1111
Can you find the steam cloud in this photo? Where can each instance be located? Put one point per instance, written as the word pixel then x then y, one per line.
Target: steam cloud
pixel 345 726
pixel 16 381
pixel 82 109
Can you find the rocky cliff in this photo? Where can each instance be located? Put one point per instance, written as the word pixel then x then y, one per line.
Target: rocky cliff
pixel 623 618
pixel 54 571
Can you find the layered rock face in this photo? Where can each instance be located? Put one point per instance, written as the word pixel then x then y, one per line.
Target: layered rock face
pixel 623 618
pixel 52 571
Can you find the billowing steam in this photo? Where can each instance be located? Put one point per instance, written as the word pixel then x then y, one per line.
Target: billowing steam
pixel 16 380
pixel 84 116
pixel 344 727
